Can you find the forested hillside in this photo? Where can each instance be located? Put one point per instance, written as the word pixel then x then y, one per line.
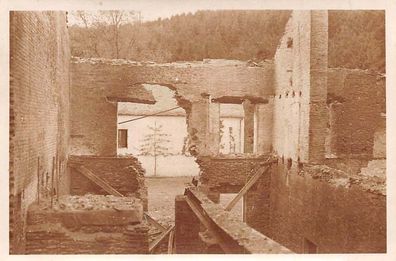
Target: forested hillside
pixel 356 38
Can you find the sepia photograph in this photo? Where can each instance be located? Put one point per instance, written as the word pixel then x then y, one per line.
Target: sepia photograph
pixel 179 127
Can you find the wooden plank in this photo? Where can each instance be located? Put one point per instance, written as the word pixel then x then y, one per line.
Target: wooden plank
pixel 154 222
pixel 171 241
pixel 208 223
pixel 52 181
pixel 232 235
pixel 266 166
pixel 246 188
pixel 159 239
pixel 38 180
pixel 97 180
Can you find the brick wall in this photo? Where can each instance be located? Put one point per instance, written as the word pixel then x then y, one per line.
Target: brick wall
pixel 93 121
pixel 257 204
pixel 187 228
pixel 39 116
pixel 55 240
pixel 70 232
pixel 320 115
pixel 227 174
pixel 120 173
pixel 337 213
pixel 355 97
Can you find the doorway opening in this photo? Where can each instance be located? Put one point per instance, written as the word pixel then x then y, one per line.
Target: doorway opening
pixel 157 135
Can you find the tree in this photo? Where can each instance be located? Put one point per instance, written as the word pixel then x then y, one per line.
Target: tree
pixel 221 133
pixel 231 140
pixel 356 38
pixel 155 144
pixel 92 27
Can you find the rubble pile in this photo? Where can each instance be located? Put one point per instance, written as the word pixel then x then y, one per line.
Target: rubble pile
pixel 371 178
pixel 177 64
pixel 96 202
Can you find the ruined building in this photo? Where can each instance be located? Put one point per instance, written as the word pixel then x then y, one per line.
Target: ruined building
pixel 318 131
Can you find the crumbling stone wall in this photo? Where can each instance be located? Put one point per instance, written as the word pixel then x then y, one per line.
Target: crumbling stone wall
pixel 88 225
pixel 349 134
pixel 320 116
pixel 257 204
pixel 92 114
pixel 337 212
pixel 249 110
pixel 125 174
pixel 39 112
pixel 228 174
pixel 94 96
pixel 264 117
pixel 96 81
pixel 187 229
pixel 301 88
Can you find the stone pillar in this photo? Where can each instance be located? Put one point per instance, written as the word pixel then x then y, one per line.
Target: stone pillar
pixel 248 108
pixel 264 127
pixel 137 238
pixel 213 141
pixel 318 85
pixel 197 127
pixel 187 228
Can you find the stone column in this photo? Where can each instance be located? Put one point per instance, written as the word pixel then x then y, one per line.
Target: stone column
pixel 318 85
pixel 248 108
pixel 213 144
pixel 264 127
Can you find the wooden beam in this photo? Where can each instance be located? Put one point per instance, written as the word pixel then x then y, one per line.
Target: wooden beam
pixel 264 168
pixel 154 222
pixel 212 229
pixel 52 182
pixel 97 180
pixel 38 180
pixel 232 235
pixel 171 242
pixel 159 239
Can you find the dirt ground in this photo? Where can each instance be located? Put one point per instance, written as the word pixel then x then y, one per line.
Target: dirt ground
pixel 161 197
